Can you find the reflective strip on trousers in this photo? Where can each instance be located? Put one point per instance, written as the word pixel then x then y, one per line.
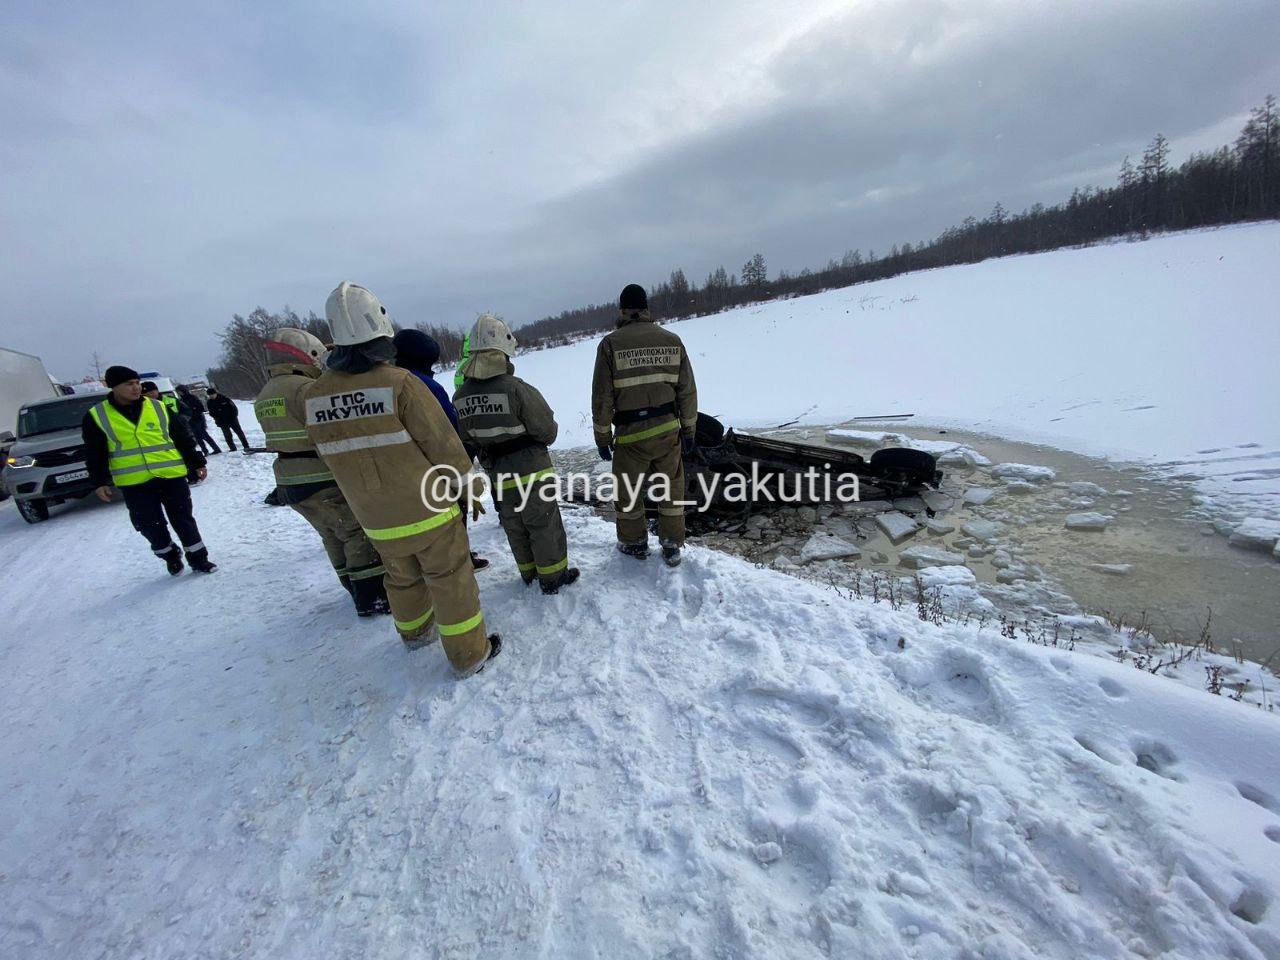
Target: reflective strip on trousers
pixel 364 573
pixel 364 443
pixel 554 568
pixel 527 479
pixel 646 434
pixel 408 626
pixel 411 529
pixel 526 567
pixel 284 435
pixel 457 629
pixel 305 478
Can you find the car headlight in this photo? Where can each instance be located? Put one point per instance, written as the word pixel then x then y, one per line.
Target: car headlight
pixel 19 462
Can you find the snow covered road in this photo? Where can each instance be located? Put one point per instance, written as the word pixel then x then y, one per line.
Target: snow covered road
pixel 716 761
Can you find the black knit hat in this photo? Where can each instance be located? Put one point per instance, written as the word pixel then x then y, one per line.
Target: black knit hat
pixel 633 298
pixel 415 350
pixel 117 375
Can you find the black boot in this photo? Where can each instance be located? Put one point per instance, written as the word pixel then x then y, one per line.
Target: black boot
pixel 478 563
pixel 200 562
pixel 567 577
pixel 495 648
pixel 173 560
pixel 370 597
pixel 638 550
pixel 671 554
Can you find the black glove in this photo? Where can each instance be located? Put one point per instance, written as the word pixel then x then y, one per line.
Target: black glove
pixel 605 453
pixel 688 445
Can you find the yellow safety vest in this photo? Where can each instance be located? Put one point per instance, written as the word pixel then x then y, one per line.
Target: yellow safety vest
pixel 137 452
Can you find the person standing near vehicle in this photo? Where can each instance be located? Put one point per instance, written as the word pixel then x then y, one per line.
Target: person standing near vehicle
pixel 132 442
pixel 402 468
pixel 294 362
pixel 511 426
pixel 417 352
pixel 226 415
pixel 644 407
pixel 152 392
pixel 194 410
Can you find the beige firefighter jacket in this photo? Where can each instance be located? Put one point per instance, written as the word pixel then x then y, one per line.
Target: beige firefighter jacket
pixel 381 433
pixel 511 425
pixel 281 415
pixel 643 383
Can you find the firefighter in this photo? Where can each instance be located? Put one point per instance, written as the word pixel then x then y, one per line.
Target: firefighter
pixel 403 469
pixel 133 443
pixel 294 359
pixel 644 405
pixel 417 352
pixel 511 426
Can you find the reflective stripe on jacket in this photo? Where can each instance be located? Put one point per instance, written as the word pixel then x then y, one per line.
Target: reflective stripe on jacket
pixel 381 433
pixel 137 452
pixel 458 378
pixel 282 416
pixel 642 369
pixel 509 422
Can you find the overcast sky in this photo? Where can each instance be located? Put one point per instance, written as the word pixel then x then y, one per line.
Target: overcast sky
pixel 165 165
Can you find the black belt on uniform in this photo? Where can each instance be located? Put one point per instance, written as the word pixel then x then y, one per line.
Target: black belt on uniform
pixel 623 417
pixel 297 456
pixel 505 447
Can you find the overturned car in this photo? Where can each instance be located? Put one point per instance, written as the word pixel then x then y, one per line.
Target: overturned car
pixel 733 475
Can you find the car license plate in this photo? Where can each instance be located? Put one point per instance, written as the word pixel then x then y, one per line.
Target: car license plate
pixel 67 477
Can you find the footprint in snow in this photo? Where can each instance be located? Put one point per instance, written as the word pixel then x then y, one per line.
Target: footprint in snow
pixel 1111 688
pixel 1157 758
pixel 1260 797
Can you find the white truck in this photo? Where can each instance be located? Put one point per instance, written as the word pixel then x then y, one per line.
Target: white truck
pixel 23 378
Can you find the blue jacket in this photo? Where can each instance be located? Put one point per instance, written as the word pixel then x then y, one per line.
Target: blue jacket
pixel 440 394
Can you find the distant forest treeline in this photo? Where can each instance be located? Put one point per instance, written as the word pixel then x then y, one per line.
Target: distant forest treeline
pixel 1227 185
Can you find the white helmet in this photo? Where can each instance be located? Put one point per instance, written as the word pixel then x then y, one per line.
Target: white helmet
pixel 490 333
pixel 356 316
pixel 298 345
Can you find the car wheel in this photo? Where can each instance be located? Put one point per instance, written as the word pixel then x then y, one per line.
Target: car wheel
pixel 33 511
pixel 900 461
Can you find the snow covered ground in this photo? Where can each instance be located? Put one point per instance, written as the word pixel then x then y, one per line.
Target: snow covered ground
pixel 1161 352
pixel 715 761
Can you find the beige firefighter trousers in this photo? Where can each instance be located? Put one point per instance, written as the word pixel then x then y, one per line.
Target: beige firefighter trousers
pixel 349 550
pixel 536 532
pixel 436 588
pixel 634 466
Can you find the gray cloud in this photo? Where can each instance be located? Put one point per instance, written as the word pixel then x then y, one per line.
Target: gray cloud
pixel 165 169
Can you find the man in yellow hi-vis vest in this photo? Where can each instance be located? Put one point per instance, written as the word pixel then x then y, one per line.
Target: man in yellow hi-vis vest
pixel 132 442
pixel 402 468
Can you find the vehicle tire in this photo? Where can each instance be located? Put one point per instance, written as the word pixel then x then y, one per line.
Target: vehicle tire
pixel 914 464
pixel 709 431
pixel 33 511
